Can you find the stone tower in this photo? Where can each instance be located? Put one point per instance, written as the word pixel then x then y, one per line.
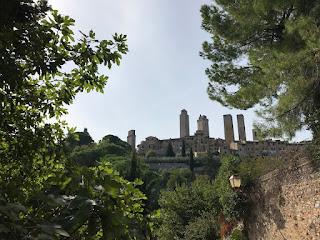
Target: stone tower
pixel 203 125
pixel 184 124
pixel 131 139
pixel 241 128
pixel 228 129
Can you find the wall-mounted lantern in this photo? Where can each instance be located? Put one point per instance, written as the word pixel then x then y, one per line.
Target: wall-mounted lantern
pixel 235 181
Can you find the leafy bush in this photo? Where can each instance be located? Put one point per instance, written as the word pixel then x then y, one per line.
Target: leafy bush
pixel 187 207
pixel 202 228
pixel 86 155
pixel 178 177
pixel 74 202
pixel 43 194
pixel 238 235
pixel 231 201
pixel 90 155
pixel 117 141
pixel 119 163
pixel 150 154
pixel 78 139
pixel 252 168
pixel 105 148
pixel 211 165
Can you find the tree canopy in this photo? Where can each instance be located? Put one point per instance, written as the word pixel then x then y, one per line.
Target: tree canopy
pixel 189 212
pixel 44 193
pixel 36 43
pixel 198 208
pixel 266 53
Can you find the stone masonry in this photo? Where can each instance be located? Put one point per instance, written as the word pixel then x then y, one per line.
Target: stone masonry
pixel 228 129
pixel 201 142
pixel 131 139
pixel 184 124
pixel 285 204
pixel 203 125
pixel 241 128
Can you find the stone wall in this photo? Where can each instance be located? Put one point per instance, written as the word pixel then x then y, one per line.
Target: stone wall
pixel 166 165
pixel 285 204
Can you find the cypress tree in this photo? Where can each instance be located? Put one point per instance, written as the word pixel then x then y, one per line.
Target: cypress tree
pixel 133 167
pixel 170 152
pixel 183 149
pixel 191 162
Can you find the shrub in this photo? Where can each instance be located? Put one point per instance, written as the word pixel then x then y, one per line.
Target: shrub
pixel 232 202
pixel 179 177
pixel 203 227
pixel 238 235
pixel 187 208
pixel 252 168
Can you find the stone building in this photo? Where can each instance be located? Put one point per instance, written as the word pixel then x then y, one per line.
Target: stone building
pixel 265 148
pixel 203 125
pixel 201 142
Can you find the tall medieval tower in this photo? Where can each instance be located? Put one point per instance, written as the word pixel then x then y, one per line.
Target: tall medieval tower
pixel 228 129
pixel 131 139
pixel 241 128
pixel 203 125
pixel 184 124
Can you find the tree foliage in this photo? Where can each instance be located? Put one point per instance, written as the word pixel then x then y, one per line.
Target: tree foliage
pixel 170 152
pixel 266 53
pixel 134 172
pixel 112 149
pixel 151 154
pixel 232 202
pixel 36 43
pixel 79 139
pixel 212 165
pixel 199 209
pixel 90 154
pixel 202 228
pixel 184 209
pixel 178 177
pixel 45 192
pixel 191 162
pixel 238 235
pixel 183 149
pixel 82 202
pixel 111 139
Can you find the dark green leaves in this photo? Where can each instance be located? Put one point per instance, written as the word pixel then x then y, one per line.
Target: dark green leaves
pixel 183 208
pixel 265 53
pixel 44 195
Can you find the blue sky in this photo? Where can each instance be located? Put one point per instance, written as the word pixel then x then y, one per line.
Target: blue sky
pixel 161 74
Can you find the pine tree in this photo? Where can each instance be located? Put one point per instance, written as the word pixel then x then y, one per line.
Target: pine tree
pixel 267 53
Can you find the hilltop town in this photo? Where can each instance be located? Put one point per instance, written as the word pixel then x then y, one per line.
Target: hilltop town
pixel 202 143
